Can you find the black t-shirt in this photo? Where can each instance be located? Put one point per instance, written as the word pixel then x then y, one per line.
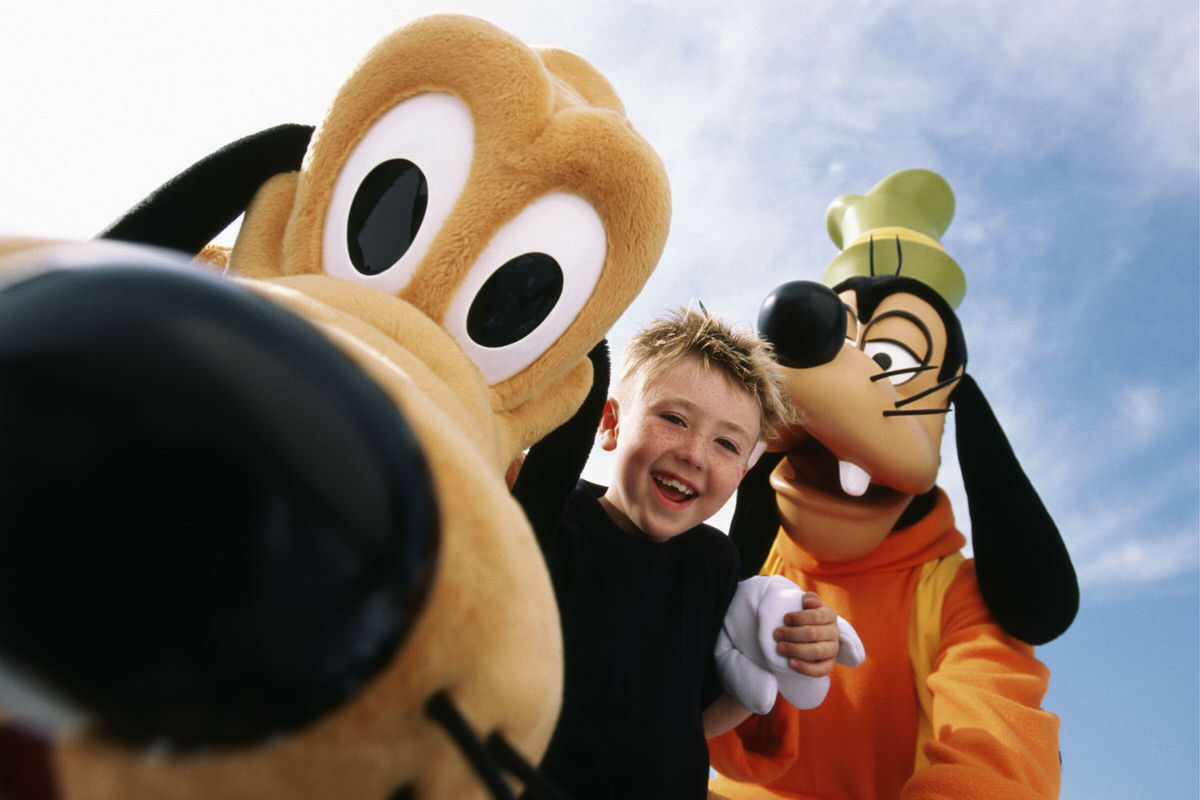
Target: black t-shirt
pixel 640 619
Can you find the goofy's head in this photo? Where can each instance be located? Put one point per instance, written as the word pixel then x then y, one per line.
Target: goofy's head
pixel 874 357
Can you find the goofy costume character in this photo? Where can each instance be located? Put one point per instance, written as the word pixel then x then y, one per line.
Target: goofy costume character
pixel 948 701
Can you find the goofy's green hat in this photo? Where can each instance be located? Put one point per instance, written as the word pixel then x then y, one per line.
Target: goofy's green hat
pixel 894 229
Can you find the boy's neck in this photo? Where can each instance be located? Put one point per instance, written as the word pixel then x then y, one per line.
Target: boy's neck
pixel 622 521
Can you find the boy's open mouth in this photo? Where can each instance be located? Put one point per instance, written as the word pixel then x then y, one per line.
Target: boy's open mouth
pixel 674 489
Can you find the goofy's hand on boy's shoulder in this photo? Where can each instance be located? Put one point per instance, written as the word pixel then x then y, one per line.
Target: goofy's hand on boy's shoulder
pixel 755 655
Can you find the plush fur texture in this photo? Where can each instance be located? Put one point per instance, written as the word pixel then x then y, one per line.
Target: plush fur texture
pixel 544 122
pixel 531 111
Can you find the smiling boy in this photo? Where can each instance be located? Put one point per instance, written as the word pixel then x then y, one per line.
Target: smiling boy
pixel 643 584
pixel 682 441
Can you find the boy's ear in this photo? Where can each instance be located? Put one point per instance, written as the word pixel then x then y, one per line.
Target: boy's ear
pixel 609 422
pixel 760 447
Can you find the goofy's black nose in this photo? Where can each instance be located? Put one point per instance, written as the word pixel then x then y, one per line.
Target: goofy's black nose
pixel 805 322
pixel 213 526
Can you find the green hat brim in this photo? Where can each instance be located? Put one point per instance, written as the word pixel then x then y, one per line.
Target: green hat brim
pixel 930 265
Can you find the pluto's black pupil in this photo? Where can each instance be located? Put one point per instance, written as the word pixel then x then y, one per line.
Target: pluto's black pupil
pixel 883 360
pixel 386 214
pixel 515 300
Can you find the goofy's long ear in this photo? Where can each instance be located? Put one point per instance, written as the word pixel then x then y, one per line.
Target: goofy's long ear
pixel 1025 573
pixel 553 466
pixel 755 520
pixel 188 211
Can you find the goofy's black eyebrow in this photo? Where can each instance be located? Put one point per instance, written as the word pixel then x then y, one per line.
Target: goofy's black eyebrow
pixel 910 317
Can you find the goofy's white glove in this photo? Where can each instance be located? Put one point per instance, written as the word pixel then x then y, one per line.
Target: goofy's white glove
pixel 747 662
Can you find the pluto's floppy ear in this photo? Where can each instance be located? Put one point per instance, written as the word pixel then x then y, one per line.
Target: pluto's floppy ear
pixel 755 521
pixel 553 465
pixel 188 211
pixel 1025 573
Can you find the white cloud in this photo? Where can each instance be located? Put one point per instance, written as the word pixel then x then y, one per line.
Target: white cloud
pixel 1031 77
pixel 1142 561
pixel 1141 411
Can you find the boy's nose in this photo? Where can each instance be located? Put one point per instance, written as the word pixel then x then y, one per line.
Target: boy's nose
pixel 691 451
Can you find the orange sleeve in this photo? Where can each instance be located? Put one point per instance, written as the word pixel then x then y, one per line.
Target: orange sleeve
pixel 991 738
pixel 760 749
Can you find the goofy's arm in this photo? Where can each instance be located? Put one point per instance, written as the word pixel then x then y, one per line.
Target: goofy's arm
pixel 990 737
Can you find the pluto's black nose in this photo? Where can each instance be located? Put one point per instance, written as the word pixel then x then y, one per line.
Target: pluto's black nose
pixel 213 525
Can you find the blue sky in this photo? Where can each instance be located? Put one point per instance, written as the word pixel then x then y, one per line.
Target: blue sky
pixel 1068 131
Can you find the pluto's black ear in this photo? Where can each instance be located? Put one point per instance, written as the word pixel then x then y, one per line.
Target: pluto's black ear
pixel 188 211
pixel 553 466
pixel 755 519
pixel 1025 573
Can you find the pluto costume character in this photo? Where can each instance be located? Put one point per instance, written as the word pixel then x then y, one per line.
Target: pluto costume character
pixel 948 703
pixel 256 539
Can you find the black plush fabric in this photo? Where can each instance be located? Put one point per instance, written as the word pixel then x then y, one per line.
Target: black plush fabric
pixel 188 211
pixel 1025 573
pixel 553 465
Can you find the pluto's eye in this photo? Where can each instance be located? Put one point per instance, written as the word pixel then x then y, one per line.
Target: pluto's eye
pixel 893 357
pixel 394 194
pixel 396 189
pixel 515 300
pixel 528 285
pixel 386 215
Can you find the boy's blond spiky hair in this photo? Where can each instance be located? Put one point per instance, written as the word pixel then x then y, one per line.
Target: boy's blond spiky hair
pixel 735 351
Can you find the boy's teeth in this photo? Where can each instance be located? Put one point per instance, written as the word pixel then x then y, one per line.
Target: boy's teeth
pixel 855 479
pixel 676 485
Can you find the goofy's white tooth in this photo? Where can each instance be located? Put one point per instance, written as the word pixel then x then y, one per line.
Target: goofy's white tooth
pixel 855 479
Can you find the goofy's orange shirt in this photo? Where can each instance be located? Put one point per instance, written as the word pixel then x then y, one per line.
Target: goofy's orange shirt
pixel 975 729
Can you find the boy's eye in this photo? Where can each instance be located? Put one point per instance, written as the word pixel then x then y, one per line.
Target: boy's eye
pixel 728 445
pixel 674 419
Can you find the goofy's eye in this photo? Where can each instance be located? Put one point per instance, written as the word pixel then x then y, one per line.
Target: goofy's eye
pixel 528 285
pixel 893 358
pixel 396 189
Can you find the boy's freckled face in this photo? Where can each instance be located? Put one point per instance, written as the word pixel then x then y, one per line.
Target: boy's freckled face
pixel 682 444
